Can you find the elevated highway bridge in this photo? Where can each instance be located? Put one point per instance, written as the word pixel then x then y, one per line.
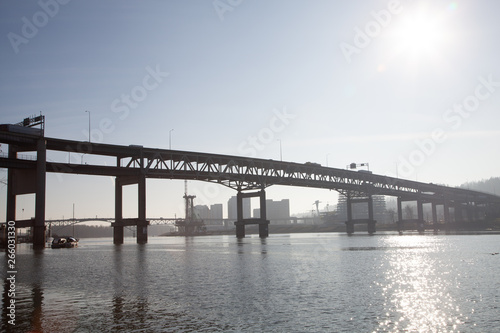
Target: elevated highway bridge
pixel 248 176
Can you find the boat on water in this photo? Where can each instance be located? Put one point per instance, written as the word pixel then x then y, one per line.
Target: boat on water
pixel 64 242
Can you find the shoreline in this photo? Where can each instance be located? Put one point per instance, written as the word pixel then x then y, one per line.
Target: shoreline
pixel 484 226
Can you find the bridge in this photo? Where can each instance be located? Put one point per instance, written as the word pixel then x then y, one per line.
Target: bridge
pixel 248 176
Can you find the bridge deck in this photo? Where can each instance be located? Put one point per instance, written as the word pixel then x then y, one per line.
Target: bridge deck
pixel 233 171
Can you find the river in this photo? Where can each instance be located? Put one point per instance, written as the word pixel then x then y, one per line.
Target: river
pixel 327 282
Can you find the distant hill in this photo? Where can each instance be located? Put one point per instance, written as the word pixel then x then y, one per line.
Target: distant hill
pixel 491 186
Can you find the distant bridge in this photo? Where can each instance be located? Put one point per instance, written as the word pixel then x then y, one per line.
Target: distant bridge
pixel 71 221
pixel 171 220
pixel 248 176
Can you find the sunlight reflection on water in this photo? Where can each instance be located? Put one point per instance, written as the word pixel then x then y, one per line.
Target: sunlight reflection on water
pixel 299 283
pixel 415 290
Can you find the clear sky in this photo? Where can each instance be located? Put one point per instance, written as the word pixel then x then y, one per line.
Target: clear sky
pixel 410 87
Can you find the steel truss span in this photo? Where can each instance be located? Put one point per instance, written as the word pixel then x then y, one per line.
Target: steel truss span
pixel 239 173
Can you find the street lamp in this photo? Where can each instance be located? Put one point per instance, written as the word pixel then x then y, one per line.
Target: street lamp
pixel 170 139
pixel 89 123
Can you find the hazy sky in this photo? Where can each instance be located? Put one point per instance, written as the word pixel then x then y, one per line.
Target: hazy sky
pixel 411 87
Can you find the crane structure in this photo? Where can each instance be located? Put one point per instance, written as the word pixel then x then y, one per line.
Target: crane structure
pixel 317 202
pixel 190 225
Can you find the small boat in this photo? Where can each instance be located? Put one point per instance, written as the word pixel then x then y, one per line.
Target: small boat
pixel 64 242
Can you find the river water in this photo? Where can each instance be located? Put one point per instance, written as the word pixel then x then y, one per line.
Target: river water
pixel 285 283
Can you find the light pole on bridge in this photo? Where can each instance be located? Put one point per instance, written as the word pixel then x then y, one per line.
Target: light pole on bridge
pixel 170 139
pixel 281 151
pixel 89 123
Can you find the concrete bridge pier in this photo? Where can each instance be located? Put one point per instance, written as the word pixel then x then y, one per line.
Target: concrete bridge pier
pixel 242 222
pixel 470 211
pixel 446 215
pixel 415 224
pixel 420 217
pixel 369 221
pixel 349 224
pixel 41 172
pixel 435 224
pixel 264 225
pixel 400 222
pixel 459 214
pixel 27 181
pixel 240 230
pixel 141 223
pixel 118 225
pixel 12 190
pixel 478 212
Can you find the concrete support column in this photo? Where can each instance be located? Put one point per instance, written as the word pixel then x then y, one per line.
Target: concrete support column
pixel 420 210
pixel 400 214
pixel 240 230
pixel 118 225
pixel 371 220
pixel 263 226
pixel 370 208
pixel 459 217
pixel 434 217
pixel 41 171
pixel 420 216
pixel 371 227
pixel 118 234
pixel 400 209
pixel 470 212
pixel 11 195
pixel 349 227
pixel 349 208
pixel 478 212
pixel 446 213
pixel 240 226
pixel 349 223
pixel 142 225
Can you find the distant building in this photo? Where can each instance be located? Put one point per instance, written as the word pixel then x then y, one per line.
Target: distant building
pixel 231 209
pixel 201 212
pixel 216 215
pixel 277 212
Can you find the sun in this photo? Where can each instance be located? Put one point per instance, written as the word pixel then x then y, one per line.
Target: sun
pixel 421 33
